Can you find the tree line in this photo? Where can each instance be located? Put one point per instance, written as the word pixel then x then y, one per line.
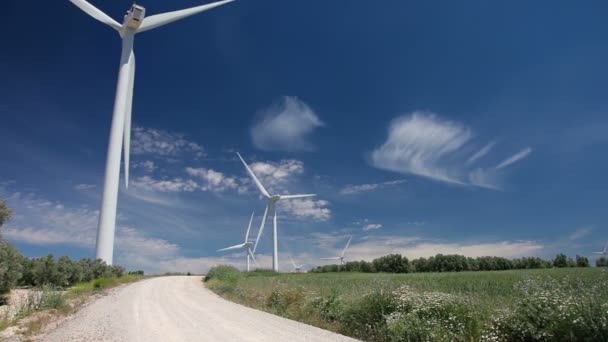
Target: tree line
pixel 397 263
pixel 18 270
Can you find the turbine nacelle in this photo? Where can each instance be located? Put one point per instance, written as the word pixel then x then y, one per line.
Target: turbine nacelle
pixel 134 17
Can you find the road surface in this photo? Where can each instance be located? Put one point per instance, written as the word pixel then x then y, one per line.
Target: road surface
pixel 179 309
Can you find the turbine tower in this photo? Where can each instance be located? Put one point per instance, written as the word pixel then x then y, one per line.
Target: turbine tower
pixel 270 210
pixel 120 131
pixel 245 245
pixel 341 257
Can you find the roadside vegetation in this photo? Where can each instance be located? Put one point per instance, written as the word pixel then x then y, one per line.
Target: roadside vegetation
pixel 554 304
pixel 59 285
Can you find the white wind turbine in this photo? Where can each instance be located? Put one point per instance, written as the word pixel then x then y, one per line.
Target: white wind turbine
pixel 341 257
pixel 296 268
pixel 120 132
pixel 245 245
pixel 603 252
pixel 270 210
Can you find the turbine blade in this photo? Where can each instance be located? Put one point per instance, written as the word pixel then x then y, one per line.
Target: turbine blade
pixel 232 247
pixel 334 258
pixel 292 262
pixel 249 228
pixel 96 13
pixel 158 20
pixel 605 246
pixel 250 253
pixel 255 179
pixel 347 244
pixel 262 224
pixel 128 110
pixel 296 196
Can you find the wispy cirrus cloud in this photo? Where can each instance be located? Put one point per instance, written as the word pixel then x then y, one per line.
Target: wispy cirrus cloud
pixel 285 126
pixel 426 145
pixel 371 226
pixel 84 186
pixel 163 143
pixel 352 189
pixel 482 152
pixel 581 233
pixel 515 158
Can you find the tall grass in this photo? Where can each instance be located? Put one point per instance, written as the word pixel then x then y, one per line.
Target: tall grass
pixel 466 306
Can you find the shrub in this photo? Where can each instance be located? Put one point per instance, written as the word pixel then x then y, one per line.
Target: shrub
pixel 284 298
pixel 223 273
pixel 330 308
pixel 366 318
pixel 431 316
pixel 552 310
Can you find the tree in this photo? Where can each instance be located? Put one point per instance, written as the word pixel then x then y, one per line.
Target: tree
pixel 561 260
pixel 5 212
pixel 601 262
pixel 10 268
pixel 582 261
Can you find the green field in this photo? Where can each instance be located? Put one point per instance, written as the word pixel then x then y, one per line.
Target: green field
pixel 567 304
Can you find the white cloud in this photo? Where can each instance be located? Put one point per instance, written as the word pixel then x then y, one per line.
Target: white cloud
pixel 352 189
pixel 420 144
pixel 306 208
pixel 84 186
pixel 213 180
pixel 425 145
pixel 275 176
pixel 148 166
pixel 371 226
pixel 285 126
pixel 481 152
pixel 515 158
pixel 163 143
pixel 167 185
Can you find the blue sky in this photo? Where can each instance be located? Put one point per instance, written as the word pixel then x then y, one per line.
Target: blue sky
pixel 438 127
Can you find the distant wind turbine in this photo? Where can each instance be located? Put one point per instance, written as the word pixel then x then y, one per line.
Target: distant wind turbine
pixel 120 131
pixel 603 252
pixel 270 210
pixel 296 268
pixel 245 245
pixel 341 257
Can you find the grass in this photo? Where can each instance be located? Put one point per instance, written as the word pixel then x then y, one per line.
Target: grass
pixel 419 306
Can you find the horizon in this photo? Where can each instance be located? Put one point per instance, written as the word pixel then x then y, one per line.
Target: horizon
pixel 474 129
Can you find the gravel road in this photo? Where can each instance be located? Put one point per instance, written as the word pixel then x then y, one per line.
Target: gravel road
pixel 179 309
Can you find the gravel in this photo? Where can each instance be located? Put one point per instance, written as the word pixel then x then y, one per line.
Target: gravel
pixel 179 309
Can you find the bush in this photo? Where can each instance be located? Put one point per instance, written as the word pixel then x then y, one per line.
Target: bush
pixel 431 316
pixel 223 273
pixel 366 318
pixel 552 310
pixel 10 268
pixel 330 308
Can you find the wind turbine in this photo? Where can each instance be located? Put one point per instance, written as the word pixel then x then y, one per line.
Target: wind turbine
pixel 245 245
pixel 603 252
pixel 296 268
pixel 341 257
pixel 270 210
pixel 120 132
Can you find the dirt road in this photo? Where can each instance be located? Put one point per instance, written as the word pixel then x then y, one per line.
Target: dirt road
pixel 179 309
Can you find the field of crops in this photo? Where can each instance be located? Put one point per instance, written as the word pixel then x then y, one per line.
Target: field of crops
pixel 558 304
